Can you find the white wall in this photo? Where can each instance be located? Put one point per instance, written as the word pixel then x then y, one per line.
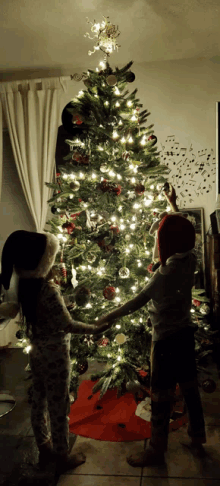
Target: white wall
pixel 181 97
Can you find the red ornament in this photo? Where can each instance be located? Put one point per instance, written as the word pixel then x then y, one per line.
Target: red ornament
pixel 107 186
pixel 149 268
pixel 197 303
pixel 142 373
pixel 77 120
pixel 103 342
pixel 63 271
pixel 80 200
pixel 101 243
pixel 81 159
pixel 104 186
pixel 152 137
pixel 115 229
pixel 58 174
pixel 117 190
pixel 109 293
pixel 74 216
pixel 69 227
pixel 126 155
pixel 139 189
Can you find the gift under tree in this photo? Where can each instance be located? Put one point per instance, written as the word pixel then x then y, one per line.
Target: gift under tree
pixel 107 195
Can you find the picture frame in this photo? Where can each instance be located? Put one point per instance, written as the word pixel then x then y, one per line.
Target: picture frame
pixel 196 217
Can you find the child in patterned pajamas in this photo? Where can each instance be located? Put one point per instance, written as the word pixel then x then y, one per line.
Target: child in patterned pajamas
pixel 32 256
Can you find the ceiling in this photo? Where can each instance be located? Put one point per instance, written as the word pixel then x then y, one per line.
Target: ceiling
pixel 47 36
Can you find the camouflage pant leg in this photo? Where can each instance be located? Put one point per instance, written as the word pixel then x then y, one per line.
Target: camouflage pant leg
pixel 51 380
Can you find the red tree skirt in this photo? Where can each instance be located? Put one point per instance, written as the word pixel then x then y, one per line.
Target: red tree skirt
pixel 114 421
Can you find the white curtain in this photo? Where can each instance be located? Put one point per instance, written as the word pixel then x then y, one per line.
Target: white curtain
pixel 32 112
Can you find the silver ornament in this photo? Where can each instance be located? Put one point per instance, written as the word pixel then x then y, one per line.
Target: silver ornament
pixel 124 272
pixel 104 168
pixel 133 386
pixel 91 258
pixel 204 309
pixel 74 185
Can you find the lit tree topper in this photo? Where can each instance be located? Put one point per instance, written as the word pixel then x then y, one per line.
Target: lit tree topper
pixel 106 34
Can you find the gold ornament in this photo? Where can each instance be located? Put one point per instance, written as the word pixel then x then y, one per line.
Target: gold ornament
pixel 120 338
pixel 111 80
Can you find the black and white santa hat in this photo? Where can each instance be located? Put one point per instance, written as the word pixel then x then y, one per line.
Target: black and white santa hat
pixel 30 254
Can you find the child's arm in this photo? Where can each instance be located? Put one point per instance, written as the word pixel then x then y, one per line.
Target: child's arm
pixel 131 306
pixel 62 320
pixel 171 199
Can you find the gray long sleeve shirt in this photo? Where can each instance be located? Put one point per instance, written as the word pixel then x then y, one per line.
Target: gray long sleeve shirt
pixel 168 295
pixel 170 291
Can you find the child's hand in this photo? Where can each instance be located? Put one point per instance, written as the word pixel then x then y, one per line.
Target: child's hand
pixel 103 327
pixel 171 195
pixel 101 320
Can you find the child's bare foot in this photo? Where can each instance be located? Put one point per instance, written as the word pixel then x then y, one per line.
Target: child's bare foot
pixel 146 458
pixel 68 462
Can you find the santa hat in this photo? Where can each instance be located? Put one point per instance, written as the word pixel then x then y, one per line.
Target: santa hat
pixel 30 254
pixel 176 234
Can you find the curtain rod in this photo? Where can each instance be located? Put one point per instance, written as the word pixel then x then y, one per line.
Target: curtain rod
pixel 75 77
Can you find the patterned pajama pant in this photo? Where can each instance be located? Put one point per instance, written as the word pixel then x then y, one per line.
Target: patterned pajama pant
pixel 51 368
pixel 172 362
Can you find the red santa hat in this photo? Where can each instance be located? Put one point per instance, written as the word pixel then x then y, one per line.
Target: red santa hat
pixel 176 234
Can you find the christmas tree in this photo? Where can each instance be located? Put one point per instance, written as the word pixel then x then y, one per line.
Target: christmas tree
pixel 108 193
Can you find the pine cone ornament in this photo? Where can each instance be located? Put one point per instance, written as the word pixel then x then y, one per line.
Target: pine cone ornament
pixel 82 296
pixel 82 367
pixel 139 189
pixel 20 334
pixel 208 386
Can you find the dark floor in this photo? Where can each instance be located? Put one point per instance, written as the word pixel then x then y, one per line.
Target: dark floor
pixel 18 448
